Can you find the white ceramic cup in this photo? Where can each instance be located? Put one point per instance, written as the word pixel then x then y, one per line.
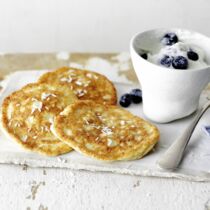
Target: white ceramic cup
pixel 169 94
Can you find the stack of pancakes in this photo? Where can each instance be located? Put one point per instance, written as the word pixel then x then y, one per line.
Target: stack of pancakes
pixel 75 109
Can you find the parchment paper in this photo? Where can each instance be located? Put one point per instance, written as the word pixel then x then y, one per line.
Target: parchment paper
pixel 195 165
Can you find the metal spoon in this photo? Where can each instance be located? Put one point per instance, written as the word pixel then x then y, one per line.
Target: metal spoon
pixel 173 156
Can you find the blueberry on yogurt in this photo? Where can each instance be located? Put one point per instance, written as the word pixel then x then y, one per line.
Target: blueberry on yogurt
pixel 144 55
pixel 170 39
pixel 180 62
pixel 166 61
pixel 192 55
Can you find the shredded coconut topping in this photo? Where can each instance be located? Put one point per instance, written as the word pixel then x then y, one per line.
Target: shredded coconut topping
pixel 107 97
pixel 10 123
pixel 46 129
pixel 79 83
pixel 17 124
pixel 24 138
pixel 46 95
pixel 72 74
pixel 71 71
pixel 122 122
pixel 106 130
pixel 66 79
pixel 37 105
pixel 10 111
pixel 97 138
pixel 100 117
pixel 86 121
pixel 95 77
pixel 42 128
pixel 89 75
pixel 111 143
pixel 95 126
pixel 30 120
pixel 80 92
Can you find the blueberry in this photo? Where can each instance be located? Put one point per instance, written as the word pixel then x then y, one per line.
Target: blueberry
pixel 180 62
pixel 144 55
pixel 166 61
pixel 125 100
pixel 170 39
pixel 192 55
pixel 136 96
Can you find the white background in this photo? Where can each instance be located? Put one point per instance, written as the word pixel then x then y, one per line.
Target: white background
pixel 92 25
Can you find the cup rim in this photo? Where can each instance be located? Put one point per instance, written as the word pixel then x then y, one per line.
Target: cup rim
pixel 169 29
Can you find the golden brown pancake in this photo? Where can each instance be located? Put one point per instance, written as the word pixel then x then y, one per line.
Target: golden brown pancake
pixel 27 115
pixel 105 132
pixel 87 85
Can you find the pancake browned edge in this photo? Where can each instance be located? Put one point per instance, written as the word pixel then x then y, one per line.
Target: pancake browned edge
pixel 27 115
pixel 105 132
pixel 87 85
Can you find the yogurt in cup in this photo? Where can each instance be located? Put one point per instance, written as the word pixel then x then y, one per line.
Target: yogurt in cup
pixel 170 93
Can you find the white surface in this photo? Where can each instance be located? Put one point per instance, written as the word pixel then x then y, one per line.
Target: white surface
pixel 81 25
pixel 198 154
pixel 80 190
pixel 175 92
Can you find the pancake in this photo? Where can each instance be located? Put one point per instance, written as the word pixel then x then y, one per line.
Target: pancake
pixel 27 115
pixel 87 85
pixel 105 132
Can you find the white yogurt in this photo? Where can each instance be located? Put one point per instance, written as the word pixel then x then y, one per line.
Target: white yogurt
pixel 179 49
pixel 159 50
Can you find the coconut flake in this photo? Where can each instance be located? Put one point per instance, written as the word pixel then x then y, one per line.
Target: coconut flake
pixel 86 121
pixel 46 95
pixel 24 138
pixel 17 124
pixel 10 111
pixel 111 143
pixel 97 138
pixel 37 105
pixel 80 93
pixel 79 83
pixel 122 122
pixel 89 75
pixel 66 79
pixel 106 130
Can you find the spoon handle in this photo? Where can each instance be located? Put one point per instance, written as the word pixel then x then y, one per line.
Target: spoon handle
pixel 172 157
